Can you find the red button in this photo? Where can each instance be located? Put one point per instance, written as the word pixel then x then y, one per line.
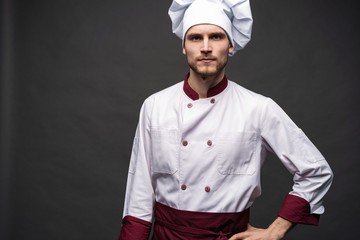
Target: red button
pixel 183 187
pixel 207 189
pixel 184 143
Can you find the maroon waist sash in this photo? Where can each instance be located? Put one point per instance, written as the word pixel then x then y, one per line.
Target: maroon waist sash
pixel 171 224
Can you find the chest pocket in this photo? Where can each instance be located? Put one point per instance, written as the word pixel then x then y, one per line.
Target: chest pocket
pixel 165 150
pixel 236 153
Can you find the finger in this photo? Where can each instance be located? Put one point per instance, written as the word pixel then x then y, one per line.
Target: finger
pixel 249 227
pixel 238 236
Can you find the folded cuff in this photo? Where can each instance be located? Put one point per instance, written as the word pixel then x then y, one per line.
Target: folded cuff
pixel 297 210
pixel 134 228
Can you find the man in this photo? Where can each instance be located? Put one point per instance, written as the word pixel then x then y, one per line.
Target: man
pixel 200 144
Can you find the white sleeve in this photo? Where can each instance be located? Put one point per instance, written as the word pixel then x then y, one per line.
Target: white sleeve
pixel 312 174
pixel 139 197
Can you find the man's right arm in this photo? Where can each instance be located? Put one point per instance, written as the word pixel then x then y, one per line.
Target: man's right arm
pixel 139 197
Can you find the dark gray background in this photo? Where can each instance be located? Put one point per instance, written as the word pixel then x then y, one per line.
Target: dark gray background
pixel 74 75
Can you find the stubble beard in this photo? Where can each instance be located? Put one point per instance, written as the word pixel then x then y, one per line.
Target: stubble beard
pixel 208 72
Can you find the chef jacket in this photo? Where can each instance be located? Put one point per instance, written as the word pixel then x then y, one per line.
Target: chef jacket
pixel 205 154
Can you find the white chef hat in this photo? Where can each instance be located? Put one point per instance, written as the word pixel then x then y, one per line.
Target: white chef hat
pixel 234 16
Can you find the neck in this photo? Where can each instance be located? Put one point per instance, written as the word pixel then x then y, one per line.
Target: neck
pixel 202 84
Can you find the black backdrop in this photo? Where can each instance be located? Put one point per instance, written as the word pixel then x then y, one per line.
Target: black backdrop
pixel 74 75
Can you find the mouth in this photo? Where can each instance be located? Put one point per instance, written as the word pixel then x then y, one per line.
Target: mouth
pixel 206 60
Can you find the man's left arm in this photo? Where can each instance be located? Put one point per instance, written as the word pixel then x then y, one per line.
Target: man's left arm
pixel 312 175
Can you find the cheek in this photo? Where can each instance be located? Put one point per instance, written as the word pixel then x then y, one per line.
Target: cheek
pixel 189 53
pixel 226 52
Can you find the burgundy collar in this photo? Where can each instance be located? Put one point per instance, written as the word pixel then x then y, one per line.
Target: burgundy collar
pixel 211 92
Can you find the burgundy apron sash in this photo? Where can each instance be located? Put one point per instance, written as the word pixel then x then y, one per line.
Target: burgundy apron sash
pixel 176 224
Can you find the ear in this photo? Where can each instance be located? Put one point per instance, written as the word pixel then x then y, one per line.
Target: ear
pixel 231 49
pixel 184 51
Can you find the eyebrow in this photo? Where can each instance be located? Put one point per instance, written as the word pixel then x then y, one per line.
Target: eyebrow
pixel 191 35
pixel 218 33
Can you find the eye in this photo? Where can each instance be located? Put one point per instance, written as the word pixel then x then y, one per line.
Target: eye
pixel 194 38
pixel 217 37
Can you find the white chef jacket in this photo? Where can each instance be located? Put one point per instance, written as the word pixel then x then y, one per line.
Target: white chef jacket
pixel 205 155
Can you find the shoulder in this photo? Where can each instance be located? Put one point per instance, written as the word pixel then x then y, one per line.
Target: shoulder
pixel 245 94
pixel 164 96
pixel 265 103
pixel 168 92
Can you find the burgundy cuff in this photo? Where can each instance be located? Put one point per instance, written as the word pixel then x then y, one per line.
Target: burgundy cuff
pixel 297 210
pixel 134 228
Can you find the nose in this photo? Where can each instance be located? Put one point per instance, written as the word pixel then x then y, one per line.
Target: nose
pixel 206 48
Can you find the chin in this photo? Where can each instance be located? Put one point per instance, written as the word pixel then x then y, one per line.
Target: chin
pixel 207 72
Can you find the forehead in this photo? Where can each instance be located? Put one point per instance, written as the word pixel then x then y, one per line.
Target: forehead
pixel 205 29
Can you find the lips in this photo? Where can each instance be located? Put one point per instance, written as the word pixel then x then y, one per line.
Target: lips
pixel 206 60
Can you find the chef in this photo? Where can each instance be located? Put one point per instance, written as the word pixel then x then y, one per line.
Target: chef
pixel 199 145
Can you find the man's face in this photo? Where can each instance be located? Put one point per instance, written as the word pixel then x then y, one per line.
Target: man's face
pixel 207 48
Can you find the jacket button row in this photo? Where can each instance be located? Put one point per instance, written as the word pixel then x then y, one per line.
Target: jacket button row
pixel 184 187
pixel 189 105
pixel 185 143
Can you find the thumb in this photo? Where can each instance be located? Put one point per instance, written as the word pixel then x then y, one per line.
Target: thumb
pixel 242 235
